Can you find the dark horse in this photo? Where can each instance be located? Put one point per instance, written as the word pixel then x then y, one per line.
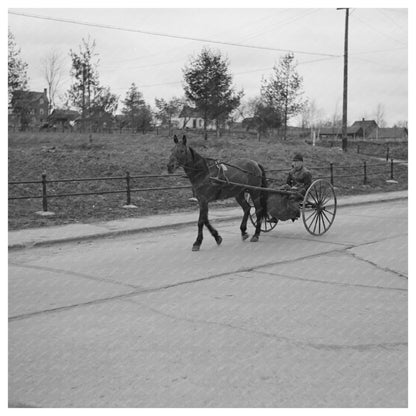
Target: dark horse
pixel 199 170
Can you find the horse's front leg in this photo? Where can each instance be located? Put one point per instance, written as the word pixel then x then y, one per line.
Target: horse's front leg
pixel 213 232
pixel 203 220
pixel 203 212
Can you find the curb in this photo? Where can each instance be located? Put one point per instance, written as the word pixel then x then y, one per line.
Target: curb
pixel 177 225
pixel 107 234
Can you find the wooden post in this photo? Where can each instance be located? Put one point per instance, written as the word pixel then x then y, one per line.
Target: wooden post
pixel 391 169
pixel 331 168
pixel 365 172
pixel 44 195
pixel 128 205
pixel 128 187
pixel 387 153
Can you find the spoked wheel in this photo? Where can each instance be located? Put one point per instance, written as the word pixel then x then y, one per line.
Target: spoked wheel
pixel 268 222
pixel 319 207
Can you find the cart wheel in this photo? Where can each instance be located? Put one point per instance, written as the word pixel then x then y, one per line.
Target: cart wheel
pixel 268 222
pixel 319 207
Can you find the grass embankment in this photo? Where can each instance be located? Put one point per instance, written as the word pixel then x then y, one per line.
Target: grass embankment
pixel 77 156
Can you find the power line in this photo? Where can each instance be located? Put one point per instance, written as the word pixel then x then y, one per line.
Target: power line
pixel 102 26
pixel 279 24
pixel 391 19
pixel 380 64
pixel 379 51
pixel 236 73
pixel 369 26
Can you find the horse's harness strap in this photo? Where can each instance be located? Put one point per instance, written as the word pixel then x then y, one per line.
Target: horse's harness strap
pixel 221 169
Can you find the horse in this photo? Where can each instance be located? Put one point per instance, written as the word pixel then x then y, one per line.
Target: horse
pixel 200 171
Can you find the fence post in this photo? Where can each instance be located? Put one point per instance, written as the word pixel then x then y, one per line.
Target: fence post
pixel 365 172
pixel 44 195
pixel 391 169
pixel 387 154
pixel 128 187
pixel 331 168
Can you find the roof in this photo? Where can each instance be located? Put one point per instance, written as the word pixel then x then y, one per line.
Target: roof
pixel 188 112
pixel 365 124
pixel 28 96
pixel 338 130
pixel 389 133
pixel 64 114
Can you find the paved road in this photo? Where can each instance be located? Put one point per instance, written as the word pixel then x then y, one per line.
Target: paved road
pixel 141 321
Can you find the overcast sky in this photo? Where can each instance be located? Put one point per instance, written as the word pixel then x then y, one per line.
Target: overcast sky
pixel 378 55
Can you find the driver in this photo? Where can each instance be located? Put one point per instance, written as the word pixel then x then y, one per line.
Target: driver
pixel 299 178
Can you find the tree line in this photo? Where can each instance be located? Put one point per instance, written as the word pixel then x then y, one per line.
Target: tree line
pixel 207 85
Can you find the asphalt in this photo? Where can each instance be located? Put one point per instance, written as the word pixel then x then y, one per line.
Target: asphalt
pixel 78 232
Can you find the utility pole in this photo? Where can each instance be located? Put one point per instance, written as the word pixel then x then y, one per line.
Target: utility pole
pixel 345 94
pixel 83 97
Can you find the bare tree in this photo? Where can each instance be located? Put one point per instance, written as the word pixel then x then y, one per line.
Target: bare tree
pixel 310 114
pixel 401 124
pixel 283 91
pixel 379 115
pixel 52 66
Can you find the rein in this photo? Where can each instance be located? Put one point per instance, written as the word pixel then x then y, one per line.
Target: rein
pixel 217 163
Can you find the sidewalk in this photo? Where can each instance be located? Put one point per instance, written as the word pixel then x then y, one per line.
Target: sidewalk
pixel 78 232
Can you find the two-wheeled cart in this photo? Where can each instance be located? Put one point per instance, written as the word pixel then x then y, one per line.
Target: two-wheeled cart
pixel 317 207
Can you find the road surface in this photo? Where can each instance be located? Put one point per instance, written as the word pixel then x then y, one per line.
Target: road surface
pixel 142 321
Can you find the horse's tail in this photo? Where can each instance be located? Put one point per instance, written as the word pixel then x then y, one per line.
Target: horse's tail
pixel 263 194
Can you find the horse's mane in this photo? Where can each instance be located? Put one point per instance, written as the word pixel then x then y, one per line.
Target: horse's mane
pixel 196 157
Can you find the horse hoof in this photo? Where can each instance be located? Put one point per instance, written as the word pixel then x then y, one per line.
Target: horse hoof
pixel 244 236
pixel 195 248
pixel 254 239
pixel 218 240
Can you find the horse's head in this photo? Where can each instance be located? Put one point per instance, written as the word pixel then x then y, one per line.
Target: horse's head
pixel 179 155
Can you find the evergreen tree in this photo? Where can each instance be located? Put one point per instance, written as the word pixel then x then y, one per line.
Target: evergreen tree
pixel 85 85
pixel 208 86
pixel 17 69
pixel 283 90
pixel 105 104
pixel 167 110
pixel 264 116
pixel 136 111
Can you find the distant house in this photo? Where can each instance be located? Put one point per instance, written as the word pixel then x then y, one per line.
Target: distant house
pixel 389 133
pixel 101 121
pixel 358 130
pixel 28 109
pixel 249 123
pixel 365 127
pixel 190 118
pixel 336 132
pixel 61 119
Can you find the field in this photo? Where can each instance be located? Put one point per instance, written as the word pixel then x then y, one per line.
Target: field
pixel 68 156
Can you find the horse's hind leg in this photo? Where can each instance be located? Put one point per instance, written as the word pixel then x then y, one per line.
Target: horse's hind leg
pixel 260 214
pixel 246 208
